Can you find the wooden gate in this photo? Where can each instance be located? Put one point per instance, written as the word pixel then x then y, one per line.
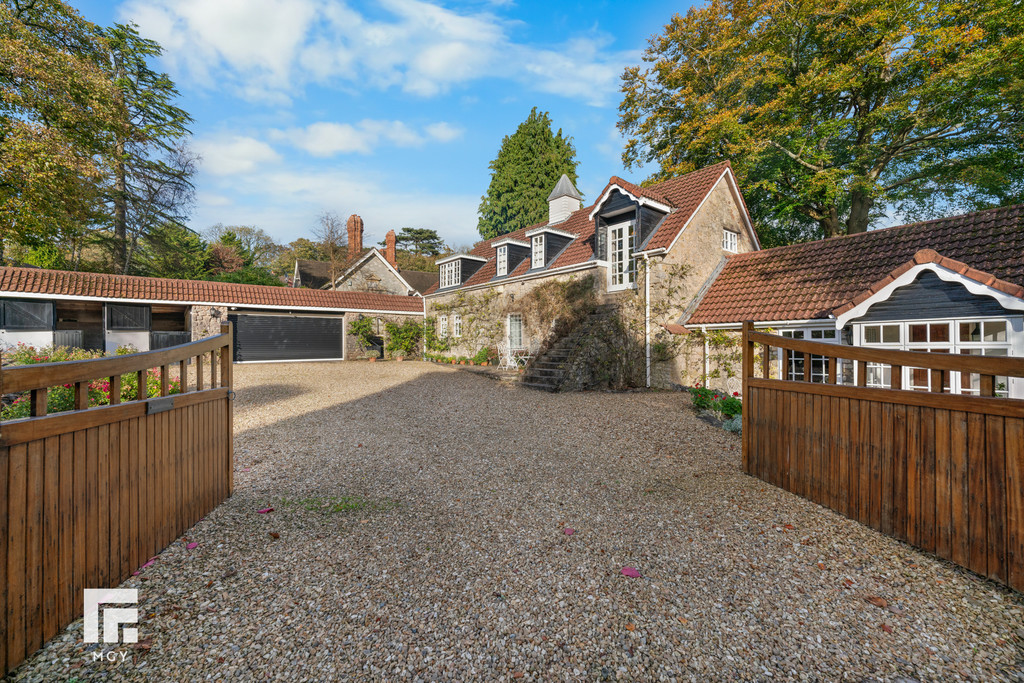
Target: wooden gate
pixel 92 493
pixel 941 471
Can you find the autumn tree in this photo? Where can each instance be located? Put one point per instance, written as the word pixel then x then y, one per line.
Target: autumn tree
pixel 528 165
pixel 58 110
pixel 832 112
pixel 303 249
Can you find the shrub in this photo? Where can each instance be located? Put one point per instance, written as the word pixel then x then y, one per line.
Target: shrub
pixel 721 403
pixel 404 339
pixel 485 355
pixel 435 343
pixel 702 397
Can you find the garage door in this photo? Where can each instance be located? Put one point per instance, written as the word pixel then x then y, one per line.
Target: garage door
pixel 287 337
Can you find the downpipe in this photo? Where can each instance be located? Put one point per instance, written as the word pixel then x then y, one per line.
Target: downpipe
pixel 647 314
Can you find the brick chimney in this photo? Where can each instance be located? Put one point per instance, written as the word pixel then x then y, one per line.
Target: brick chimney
pixel 390 247
pixel 355 236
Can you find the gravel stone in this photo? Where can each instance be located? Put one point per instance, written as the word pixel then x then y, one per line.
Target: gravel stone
pixel 420 515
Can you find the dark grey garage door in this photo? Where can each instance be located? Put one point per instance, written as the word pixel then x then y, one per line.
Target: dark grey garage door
pixel 287 337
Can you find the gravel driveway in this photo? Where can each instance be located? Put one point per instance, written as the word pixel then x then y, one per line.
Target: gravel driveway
pixel 418 532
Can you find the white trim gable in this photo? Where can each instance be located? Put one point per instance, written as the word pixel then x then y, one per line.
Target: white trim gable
pixel 447 259
pixel 973 286
pixel 553 231
pixel 737 197
pixel 639 199
pixel 362 261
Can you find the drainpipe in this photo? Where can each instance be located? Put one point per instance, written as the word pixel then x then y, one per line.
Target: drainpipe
pixel 707 360
pixel 647 313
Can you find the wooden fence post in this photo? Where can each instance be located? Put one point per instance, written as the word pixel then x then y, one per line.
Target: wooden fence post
pixel 748 372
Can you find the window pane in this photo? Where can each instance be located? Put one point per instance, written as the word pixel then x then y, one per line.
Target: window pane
pixel 918 333
pixel 970 332
pixel 995 331
pixel 872 334
pixel 829 334
pixel 891 334
pixel 939 332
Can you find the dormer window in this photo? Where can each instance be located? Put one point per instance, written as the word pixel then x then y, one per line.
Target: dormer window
pixel 730 241
pixel 537 257
pixel 451 274
pixel 502 264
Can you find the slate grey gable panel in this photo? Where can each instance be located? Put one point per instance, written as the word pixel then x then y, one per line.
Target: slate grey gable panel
pixel 553 246
pixel 469 268
pixel 929 296
pixel 649 220
pixel 616 202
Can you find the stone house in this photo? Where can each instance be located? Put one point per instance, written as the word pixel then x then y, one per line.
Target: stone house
pixel 364 269
pixel 102 312
pixel 952 285
pixel 624 268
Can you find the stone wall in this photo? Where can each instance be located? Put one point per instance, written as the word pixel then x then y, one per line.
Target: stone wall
pixel 485 311
pixel 374 276
pixel 205 321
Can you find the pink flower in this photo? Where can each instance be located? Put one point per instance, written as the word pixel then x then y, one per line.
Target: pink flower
pixel 735 393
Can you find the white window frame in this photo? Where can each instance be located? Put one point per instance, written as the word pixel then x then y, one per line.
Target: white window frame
pixel 508 332
pixel 621 260
pixel 457 325
pixel 819 364
pixel 502 260
pixel 451 273
pixel 537 252
pixel 730 240
pixel 442 326
pixel 954 346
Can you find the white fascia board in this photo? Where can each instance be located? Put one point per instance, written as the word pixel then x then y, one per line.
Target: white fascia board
pixel 639 199
pixel 448 259
pixel 514 243
pixel 553 231
pixel 1005 300
pixel 225 304
pixel 519 278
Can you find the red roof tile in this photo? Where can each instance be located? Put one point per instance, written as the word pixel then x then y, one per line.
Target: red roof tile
pixel 813 279
pixel 65 283
pixel 683 194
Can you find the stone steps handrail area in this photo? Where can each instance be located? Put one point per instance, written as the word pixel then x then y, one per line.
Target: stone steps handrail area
pixel 938 470
pixel 92 493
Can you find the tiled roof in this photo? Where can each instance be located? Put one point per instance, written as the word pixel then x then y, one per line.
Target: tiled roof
pixel 812 280
pixel 419 280
pixel 66 283
pixel 683 194
pixel 313 274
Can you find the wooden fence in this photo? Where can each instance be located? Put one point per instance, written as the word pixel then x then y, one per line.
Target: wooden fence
pixel 92 493
pixel 941 471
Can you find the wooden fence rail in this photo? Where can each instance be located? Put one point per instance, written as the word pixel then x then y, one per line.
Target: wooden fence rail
pixel 92 493
pixel 943 472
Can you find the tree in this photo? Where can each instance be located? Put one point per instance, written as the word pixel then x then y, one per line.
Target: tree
pixel 834 110
pixel 421 241
pixel 528 165
pixel 151 166
pixel 57 111
pixel 301 249
pixel 332 236
pixel 254 245
pixel 173 251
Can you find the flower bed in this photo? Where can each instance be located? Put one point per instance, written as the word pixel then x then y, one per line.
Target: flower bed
pixel 727 410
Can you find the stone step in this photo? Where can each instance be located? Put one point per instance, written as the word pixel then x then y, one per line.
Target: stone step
pixel 539 386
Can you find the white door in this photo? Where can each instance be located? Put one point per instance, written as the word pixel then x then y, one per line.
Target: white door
pixel 623 266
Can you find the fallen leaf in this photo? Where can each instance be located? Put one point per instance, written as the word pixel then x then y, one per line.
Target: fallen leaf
pixel 229 573
pixel 630 572
pixel 517 674
pixel 887 628
pixel 790 527
pixel 630 627
pixel 245 469
pixel 821 566
pixel 569 531
pixel 877 601
pixel 847 582
pixel 192 546
pixel 274 535
pixel 682 620
pixel 143 644
pixel 209 584
pixel 264 511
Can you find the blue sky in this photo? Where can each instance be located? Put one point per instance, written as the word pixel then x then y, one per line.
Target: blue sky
pixel 391 109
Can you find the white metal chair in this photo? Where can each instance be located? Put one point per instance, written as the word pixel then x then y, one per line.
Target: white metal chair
pixel 506 359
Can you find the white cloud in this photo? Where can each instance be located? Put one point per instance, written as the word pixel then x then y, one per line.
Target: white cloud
pixel 325 139
pixel 234 154
pixel 269 50
pixel 444 132
pixel 285 201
